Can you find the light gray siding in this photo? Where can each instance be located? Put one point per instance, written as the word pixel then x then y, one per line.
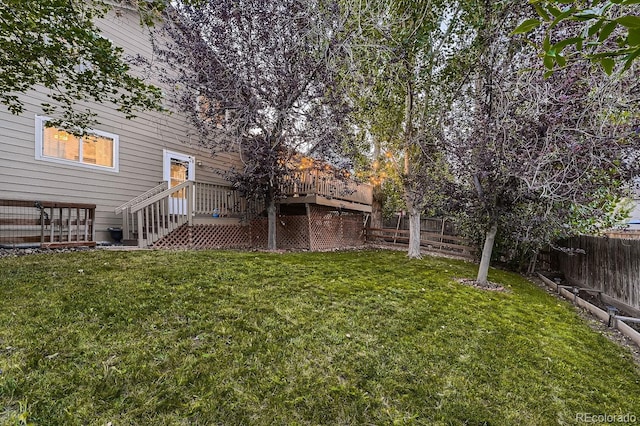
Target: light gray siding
pixel 142 141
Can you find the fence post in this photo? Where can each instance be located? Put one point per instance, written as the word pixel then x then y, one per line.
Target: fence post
pixel 42 219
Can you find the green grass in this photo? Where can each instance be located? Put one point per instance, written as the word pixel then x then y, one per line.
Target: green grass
pixel 229 338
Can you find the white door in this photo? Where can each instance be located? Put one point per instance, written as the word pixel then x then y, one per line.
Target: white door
pixel 177 169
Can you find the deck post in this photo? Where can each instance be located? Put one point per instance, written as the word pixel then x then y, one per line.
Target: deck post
pixel 309 225
pixel 125 223
pixel 140 230
pixel 191 198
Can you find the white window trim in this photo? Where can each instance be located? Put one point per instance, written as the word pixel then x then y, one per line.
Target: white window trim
pixel 39 127
pixel 166 164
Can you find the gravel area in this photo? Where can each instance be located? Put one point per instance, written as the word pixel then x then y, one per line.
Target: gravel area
pixel 15 252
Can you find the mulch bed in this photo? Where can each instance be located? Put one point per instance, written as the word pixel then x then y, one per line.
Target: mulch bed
pixel 596 301
pixel 611 333
pixel 489 286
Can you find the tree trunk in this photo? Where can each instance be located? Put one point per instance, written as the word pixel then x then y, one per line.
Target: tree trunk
pixel 414 233
pixel 483 269
pixel 271 218
pixel 376 203
pixel 376 208
pixel 532 263
pixel 414 213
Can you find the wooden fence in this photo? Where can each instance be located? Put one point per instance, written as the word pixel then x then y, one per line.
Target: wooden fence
pixel 608 264
pixel 438 242
pixel 46 223
pixel 429 224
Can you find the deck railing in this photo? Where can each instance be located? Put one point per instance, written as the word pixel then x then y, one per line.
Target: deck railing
pixel 150 193
pixel 218 199
pixel 47 223
pixel 318 182
pixel 225 201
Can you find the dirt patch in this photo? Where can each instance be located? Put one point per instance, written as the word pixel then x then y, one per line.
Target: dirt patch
pixel 489 286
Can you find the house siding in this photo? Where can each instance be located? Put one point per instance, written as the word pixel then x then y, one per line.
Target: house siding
pixel 142 141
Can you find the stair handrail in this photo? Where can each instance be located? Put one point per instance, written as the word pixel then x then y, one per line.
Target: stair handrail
pixel 150 193
pixel 164 194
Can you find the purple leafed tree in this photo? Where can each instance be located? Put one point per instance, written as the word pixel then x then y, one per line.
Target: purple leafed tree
pixel 529 154
pixel 261 79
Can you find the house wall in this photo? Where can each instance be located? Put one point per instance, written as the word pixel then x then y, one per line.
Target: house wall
pixel 633 223
pixel 142 141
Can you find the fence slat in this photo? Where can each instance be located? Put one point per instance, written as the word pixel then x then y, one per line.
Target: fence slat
pixel 611 265
pixel 43 222
pixel 436 242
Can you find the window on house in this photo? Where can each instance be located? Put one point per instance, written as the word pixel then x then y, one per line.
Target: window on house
pixel 96 149
pixel 211 112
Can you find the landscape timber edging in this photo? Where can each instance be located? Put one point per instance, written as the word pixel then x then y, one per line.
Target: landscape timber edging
pixel 599 313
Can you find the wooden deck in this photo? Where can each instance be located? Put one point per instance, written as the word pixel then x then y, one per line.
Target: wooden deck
pixel 160 211
pixel 319 187
pixel 322 200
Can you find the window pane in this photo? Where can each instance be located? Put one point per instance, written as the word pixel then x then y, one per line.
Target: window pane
pixel 60 144
pixel 179 174
pixel 97 150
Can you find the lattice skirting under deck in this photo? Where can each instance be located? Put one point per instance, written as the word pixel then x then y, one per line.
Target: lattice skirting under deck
pixel 330 229
pixel 207 237
pixel 323 229
pixel 292 232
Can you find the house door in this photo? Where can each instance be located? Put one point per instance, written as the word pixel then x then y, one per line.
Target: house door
pixel 178 168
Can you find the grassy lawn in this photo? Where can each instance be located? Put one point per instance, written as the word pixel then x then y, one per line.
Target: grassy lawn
pixel 299 338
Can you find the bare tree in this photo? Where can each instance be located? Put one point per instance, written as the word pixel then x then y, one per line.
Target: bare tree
pixel 260 78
